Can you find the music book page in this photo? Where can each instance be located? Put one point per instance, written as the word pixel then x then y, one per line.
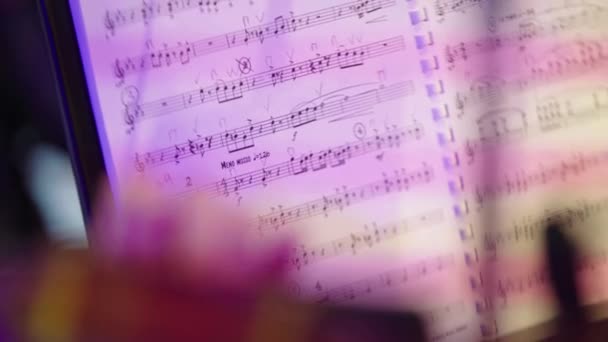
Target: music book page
pixel 414 149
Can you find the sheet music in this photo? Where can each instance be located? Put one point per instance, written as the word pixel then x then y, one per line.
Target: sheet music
pixel 525 98
pixel 380 134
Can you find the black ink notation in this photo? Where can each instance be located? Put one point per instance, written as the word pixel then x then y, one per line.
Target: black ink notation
pixel 400 181
pixel 385 280
pixel 310 162
pixel 338 103
pixel 244 65
pixel 151 10
pixel 372 235
pixel 226 91
pixel 282 25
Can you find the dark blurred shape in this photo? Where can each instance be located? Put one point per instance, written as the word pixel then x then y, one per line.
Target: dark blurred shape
pixel 561 259
pixel 71 296
pixel 30 116
pixel 357 325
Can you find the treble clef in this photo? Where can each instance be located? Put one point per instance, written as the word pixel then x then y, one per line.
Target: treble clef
pixel 119 71
pixel 139 165
pixel 130 99
pixel 129 119
pixel 470 153
pixel 109 23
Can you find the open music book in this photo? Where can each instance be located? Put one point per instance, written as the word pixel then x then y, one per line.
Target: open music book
pixel 415 149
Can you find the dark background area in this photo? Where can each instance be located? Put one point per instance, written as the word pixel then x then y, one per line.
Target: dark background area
pixel 31 136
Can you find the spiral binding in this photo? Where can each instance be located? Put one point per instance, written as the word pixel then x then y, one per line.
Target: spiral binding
pixel 435 87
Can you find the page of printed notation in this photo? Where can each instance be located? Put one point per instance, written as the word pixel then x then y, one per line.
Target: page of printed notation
pixel 316 118
pixel 527 95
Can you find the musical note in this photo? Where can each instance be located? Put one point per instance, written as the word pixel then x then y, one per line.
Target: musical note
pixel 444 7
pixel 559 66
pixel 373 234
pixel 486 90
pixel 531 228
pixel 183 53
pixel 379 282
pixel 502 123
pixel 312 162
pixel 519 284
pixel 536 280
pixel 564 109
pixel 234 89
pixel 523 181
pixel 148 11
pixel 553 113
pixel 328 106
pixel 568 60
pixel 402 181
pixel 349 58
pixel 529 34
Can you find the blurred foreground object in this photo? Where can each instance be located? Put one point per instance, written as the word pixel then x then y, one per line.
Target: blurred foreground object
pixel 183 272
pixel 77 302
pixel 193 271
pixel 573 323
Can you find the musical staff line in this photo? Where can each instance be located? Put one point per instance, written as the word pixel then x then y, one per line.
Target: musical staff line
pixel 521 284
pixel 401 181
pixel 529 228
pixel 524 180
pixel 329 106
pixel 508 287
pixel 553 121
pixel 149 10
pixel 460 53
pixel 370 236
pixel 182 54
pixel 443 7
pixel 551 70
pixel 311 162
pixel 232 90
pixel 385 280
pixel 555 114
pixel 559 111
